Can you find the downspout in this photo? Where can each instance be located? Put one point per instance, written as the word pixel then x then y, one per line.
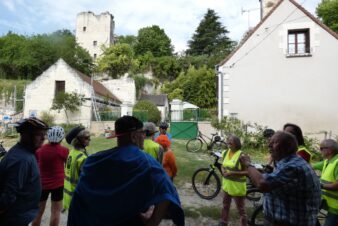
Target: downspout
pixel 220 93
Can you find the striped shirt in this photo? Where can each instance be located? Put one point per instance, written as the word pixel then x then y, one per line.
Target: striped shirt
pixel 295 193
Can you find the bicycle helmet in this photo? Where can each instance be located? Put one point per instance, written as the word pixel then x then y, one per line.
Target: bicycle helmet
pixel 55 134
pixel 267 133
pixel 28 124
pixel 164 125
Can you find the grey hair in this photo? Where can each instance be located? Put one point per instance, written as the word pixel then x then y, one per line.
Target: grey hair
pixel 236 140
pixel 331 144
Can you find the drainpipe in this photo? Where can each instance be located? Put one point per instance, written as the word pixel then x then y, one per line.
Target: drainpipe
pixel 220 92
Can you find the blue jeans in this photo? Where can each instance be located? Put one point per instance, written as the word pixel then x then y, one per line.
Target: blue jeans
pixel 331 220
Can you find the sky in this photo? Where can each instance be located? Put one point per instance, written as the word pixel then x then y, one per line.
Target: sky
pixel 178 18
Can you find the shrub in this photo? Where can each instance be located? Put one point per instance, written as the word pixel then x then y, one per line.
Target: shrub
pixel 154 115
pixel 47 118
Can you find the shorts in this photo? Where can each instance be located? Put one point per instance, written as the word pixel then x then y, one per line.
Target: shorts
pixel 57 194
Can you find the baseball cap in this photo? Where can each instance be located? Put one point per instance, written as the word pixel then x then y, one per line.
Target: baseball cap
pixel 124 125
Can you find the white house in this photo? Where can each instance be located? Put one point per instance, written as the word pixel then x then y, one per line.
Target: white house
pixel 284 71
pixel 60 77
pixel 161 102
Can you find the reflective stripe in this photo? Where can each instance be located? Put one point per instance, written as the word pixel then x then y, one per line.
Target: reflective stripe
pixel 235 179
pixel 68 192
pixel 330 195
pixel 325 181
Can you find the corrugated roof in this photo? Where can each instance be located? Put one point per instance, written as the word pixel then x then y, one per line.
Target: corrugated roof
pixel 158 100
pixel 267 16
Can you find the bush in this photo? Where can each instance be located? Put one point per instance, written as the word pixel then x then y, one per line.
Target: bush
pixel 68 127
pixel 154 115
pixel 47 118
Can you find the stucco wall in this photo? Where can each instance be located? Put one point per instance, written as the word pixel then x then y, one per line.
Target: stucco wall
pixel 40 94
pixel 123 88
pixel 263 85
pixel 99 28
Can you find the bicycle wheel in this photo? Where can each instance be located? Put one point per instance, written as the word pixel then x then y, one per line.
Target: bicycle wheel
pixel 194 145
pixel 206 183
pixel 218 146
pixel 255 196
pixel 257 217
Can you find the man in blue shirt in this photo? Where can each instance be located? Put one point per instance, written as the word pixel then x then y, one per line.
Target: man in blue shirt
pixel 292 191
pixel 20 186
pixel 163 131
pixel 119 184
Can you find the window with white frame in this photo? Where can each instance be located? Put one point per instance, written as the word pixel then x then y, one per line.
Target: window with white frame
pixel 299 42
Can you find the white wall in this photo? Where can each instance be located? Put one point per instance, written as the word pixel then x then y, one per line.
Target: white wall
pixel 99 28
pixel 124 89
pixel 40 94
pixel 263 85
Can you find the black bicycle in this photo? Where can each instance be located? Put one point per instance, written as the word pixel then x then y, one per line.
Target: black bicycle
pixel 214 143
pixel 205 181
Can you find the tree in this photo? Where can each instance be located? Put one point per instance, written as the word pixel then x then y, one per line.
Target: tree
pixel 165 68
pixel 68 102
pixel 154 40
pixel 327 10
pixel 210 37
pixel 128 39
pixel 117 60
pixel 197 86
pixel 154 115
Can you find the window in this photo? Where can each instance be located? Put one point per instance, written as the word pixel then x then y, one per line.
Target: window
pixel 59 87
pixel 299 42
pixel 94 43
pixel 84 28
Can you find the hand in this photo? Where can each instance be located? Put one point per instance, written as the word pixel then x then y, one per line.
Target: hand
pixel 245 160
pixel 227 173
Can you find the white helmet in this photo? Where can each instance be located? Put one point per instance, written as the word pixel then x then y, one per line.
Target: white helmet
pixel 55 134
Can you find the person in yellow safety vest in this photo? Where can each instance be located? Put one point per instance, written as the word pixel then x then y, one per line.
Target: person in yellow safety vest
pixel 234 181
pixel 297 132
pixel 329 179
pixel 150 146
pixel 79 138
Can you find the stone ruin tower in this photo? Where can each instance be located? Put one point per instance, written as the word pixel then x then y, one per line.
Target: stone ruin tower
pixel 93 31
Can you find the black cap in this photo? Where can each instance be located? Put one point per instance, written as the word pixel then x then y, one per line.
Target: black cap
pixel 29 124
pixel 127 124
pixel 73 133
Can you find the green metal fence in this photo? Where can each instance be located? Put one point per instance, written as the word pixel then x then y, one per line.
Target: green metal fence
pixel 184 130
pixel 110 115
pixel 200 114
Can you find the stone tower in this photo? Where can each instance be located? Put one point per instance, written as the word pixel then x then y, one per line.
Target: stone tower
pixel 93 31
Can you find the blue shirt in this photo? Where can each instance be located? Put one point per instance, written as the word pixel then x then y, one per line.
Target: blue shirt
pixel 295 193
pixel 20 187
pixel 117 185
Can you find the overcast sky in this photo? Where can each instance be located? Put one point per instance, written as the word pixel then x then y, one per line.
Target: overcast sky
pixel 179 18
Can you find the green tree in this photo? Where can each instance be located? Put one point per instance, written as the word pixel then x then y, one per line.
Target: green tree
pixel 154 115
pixel 68 102
pixel 165 67
pixel 117 60
pixel 154 40
pixel 210 37
pixel 197 86
pixel 327 11
pixel 128 39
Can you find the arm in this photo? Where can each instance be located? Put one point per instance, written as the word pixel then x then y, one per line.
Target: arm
pixel 16 175
pixel 256 177
pixel 331 186
pixel 318 165
pixel 160 154
pixel 159 212
pixel 173 164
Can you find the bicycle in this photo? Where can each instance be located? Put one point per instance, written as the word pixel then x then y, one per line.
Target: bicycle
pixel 215 143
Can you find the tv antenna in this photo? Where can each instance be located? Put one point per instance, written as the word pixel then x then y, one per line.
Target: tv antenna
pixel 248 11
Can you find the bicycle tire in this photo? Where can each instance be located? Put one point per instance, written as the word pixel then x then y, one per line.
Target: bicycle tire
pixel 218 146
pixel 206 183
pixel 257 217
pixel 194 145
pixel 254 194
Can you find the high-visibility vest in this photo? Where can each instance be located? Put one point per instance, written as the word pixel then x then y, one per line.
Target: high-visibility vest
pixel 233 185
pixel 152 148
pixel 73 166
pixel 327 177
pixel 303 148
